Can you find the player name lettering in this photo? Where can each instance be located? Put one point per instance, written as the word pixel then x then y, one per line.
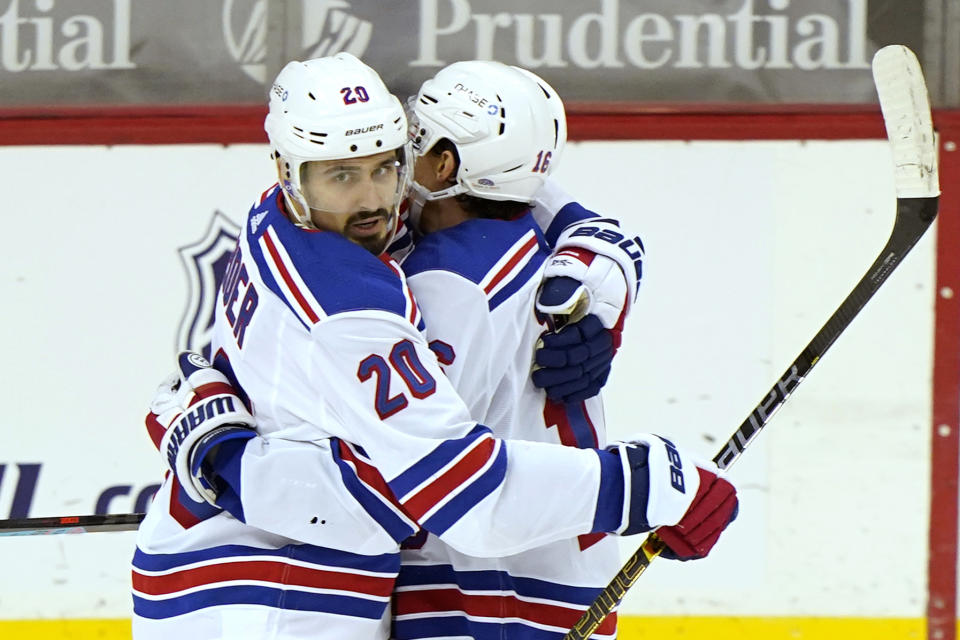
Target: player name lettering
pixel 62 42
pixel 760 34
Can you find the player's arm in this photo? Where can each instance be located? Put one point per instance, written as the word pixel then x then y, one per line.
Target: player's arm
pixel 332 493
pixel 567 225
pixel 590 284
pixel 483 495
pixel 207 438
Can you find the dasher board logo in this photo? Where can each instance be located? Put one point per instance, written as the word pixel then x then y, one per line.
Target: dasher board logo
pixel 327 27
pixel 204 262
pixel 44 35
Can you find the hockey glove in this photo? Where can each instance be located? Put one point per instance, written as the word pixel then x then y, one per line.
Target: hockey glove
pixel 578 282
pixel 572 364
pixel 195 409
pixel 665 488
pixel 714 507
pixel 587 294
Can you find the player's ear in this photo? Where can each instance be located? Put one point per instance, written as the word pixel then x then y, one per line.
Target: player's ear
pixel 446 168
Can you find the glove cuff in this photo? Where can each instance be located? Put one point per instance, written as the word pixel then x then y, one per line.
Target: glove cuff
pixel 204 446
pixel 187 429
pixel 661 483
pixel 604 237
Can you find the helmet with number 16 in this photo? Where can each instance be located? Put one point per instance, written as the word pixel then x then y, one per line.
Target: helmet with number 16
pixel 507 124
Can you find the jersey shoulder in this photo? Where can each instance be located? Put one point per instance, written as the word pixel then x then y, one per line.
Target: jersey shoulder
pixel 319 274
pixel 473 248
pixel 497 256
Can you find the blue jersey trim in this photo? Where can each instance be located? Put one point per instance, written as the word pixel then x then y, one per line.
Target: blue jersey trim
pixel 459 626
pixel 287 598
pixel 531 268
pixel 434 461
pixel 492 580
pixel 471 248
pixel 609 514
pixel 227 466
pixel 393 524
pixel 477 490
pixel 569 214
pixel 341 276
pixel 384 563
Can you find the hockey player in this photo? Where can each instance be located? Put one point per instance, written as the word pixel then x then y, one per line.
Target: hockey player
pixel 358 421
pixel 475 274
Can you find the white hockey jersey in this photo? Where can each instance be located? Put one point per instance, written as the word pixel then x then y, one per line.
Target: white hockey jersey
pixel 476 284
pixel 362 427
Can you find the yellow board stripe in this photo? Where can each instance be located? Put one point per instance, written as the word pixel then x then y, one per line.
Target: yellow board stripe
pixel 756 628
pixel 631 628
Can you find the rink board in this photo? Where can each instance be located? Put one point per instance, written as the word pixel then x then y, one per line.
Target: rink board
pixel 750 246
pixel 630 628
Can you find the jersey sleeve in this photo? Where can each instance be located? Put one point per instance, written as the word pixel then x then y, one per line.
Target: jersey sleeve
pixel 446 473
pixel 294 489
pixel 329 494
pixel 554 210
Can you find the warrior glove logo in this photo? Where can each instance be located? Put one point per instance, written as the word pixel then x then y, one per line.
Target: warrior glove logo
pixel 210 408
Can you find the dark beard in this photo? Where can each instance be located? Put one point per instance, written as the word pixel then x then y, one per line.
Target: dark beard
pixel 375 245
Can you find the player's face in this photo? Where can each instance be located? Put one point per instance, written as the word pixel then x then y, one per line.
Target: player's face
pixel 354 197
pixel 436 172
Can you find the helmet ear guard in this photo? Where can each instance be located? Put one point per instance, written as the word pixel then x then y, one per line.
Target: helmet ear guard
pixel 330 109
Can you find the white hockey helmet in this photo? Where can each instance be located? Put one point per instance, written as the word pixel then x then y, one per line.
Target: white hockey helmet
pixel 328 109
pixel 507 123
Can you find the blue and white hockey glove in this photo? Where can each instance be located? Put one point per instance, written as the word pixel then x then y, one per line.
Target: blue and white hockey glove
pixel 572 363
pixel 588 296
pixel 578 282
pixel 590 251
pixel 686 498
pixel 195 410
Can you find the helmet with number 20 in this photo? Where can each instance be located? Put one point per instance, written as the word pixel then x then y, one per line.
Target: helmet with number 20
pixel 329 109
pixel 507 123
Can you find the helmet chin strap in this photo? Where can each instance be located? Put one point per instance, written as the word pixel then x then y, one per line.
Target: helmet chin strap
pixel 293 198
pixel 420 195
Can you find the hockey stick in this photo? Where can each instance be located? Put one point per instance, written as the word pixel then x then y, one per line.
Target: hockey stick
pixel 70 524
pixel 906 114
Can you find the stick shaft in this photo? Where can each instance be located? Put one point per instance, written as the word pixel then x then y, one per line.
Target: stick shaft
pixel 70 524
pixel 906 112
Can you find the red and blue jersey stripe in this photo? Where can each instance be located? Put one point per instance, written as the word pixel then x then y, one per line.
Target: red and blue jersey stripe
pixel 439 601
pixel 434 492
pixel 446 483
pixel 511 253
pixel 296 577
pixel 297 265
